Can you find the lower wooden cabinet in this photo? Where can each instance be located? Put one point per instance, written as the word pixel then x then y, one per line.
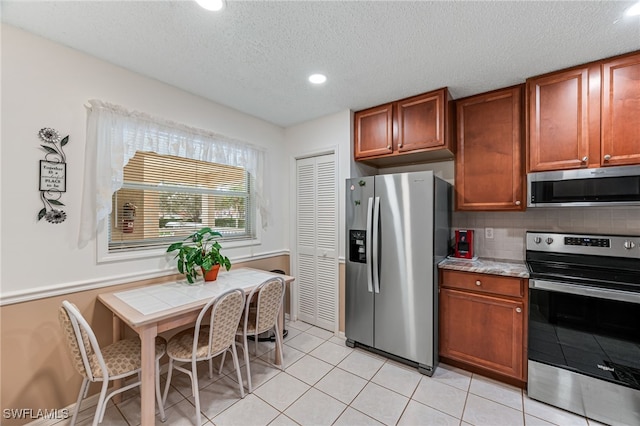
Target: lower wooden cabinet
pixel 483 322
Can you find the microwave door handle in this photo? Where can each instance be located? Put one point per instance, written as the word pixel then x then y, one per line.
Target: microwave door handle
pixel 376 245
pixel 368 244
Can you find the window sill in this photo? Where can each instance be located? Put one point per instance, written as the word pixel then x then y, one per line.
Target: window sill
pixel 104 256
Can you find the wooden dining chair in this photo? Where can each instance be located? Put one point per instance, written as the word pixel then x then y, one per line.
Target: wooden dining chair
pixel 206 341
pixel 260 315
pixel 119 360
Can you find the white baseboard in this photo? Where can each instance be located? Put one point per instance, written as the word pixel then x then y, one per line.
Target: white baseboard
pixel 91 401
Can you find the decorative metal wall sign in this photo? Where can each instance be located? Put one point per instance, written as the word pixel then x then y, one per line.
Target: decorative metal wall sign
pixel 53 175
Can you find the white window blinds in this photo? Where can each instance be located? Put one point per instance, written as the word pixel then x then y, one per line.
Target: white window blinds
pixel 165 198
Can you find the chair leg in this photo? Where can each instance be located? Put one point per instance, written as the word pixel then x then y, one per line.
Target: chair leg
pixel 83 390
pixel 255 344
pixel 163 417
pixel 224 354
pixel 86 391
pixel 196 391
pixel 166 386
pixel 100 408
pixel 279 346
pixel 234 353
pixel 245 348
pixel 211 368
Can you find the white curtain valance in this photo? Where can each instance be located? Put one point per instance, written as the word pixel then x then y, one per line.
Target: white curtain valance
pixel 114 134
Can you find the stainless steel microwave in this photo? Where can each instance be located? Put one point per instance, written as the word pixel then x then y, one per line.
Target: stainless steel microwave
pixel 605 186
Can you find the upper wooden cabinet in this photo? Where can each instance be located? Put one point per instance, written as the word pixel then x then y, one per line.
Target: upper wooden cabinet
pixel 421 121
pixel 559 114
pixel 374 131
pixel 409 130
pixel 587 116
pixel 489 151
pixel 621 111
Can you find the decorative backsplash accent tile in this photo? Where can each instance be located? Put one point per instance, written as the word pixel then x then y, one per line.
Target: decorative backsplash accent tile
pixel 509 228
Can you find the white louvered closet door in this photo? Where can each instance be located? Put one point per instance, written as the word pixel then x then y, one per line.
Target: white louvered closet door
pixel 317 241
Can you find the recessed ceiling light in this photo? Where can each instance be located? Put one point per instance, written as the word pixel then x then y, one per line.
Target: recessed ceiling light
pixel 633 10
pixel 317 78
pixel 213 5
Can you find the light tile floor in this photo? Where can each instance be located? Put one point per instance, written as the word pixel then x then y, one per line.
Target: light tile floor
pixel 327 383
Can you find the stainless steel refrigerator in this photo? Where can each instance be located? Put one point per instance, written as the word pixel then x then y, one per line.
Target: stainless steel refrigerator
pixel 398 229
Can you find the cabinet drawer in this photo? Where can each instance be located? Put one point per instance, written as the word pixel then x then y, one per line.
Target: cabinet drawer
pixel 483 283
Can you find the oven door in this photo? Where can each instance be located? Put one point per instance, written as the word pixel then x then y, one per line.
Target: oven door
pixel 587 330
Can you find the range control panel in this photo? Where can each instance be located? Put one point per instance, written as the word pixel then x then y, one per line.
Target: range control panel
pixel 597 245
pixel 587 242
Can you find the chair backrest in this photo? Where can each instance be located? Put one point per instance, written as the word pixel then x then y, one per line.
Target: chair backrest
pixel 226 311
pixel 269 300
pixel 81 342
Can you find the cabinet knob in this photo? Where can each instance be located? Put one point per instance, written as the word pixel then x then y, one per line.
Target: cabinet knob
pixel 518 203
pixel 518 310
pixel 389 147
pixel 607 157
pixel 478 282
pixel 399 145
pixel 585 159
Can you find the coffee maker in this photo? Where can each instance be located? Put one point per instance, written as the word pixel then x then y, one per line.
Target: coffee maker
pixel 463 247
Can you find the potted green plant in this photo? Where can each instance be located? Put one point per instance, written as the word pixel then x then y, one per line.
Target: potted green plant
pixel 200 250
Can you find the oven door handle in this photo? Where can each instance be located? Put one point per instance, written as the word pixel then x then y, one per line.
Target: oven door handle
pixel 622 296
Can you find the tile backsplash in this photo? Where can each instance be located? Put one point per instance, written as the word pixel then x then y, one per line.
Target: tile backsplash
pixel 509 228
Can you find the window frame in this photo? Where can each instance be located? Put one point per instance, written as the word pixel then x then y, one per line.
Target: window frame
pixel 105 255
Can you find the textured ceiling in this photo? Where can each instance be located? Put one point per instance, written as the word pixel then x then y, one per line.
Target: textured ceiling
pixel 255 56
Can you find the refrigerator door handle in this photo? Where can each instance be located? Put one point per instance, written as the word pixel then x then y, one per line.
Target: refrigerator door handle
pixel 376 223
pixel 368 244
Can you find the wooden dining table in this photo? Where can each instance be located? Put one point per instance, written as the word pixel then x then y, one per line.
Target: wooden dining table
pixel 153 309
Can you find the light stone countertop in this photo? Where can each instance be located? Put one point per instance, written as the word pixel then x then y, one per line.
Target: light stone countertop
pixel 509 268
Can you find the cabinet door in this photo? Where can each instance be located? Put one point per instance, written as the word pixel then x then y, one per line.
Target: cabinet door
pixel 421 121
pixel 621 111
pixel 373 132
pixel 559 120
pixel 489 166
pixel 482 330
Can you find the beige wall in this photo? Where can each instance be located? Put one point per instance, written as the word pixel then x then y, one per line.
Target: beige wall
pixel 35 369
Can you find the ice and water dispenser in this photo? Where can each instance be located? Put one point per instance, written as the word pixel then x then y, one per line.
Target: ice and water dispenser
pixel 357 246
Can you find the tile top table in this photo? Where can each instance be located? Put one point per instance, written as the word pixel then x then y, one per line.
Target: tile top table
pixel 152 309
pixel 165 297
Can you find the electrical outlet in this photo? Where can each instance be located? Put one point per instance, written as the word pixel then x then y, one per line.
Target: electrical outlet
pixel 488 233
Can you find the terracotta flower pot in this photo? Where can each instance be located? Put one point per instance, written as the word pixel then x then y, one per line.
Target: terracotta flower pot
pixel 212 274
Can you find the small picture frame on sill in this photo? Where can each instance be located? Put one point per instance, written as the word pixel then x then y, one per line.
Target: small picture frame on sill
pixel 53 176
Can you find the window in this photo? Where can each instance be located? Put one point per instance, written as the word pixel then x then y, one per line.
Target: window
pixel 165 198
pixel 149 181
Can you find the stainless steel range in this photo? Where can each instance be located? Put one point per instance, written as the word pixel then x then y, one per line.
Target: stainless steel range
pixel 584 324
